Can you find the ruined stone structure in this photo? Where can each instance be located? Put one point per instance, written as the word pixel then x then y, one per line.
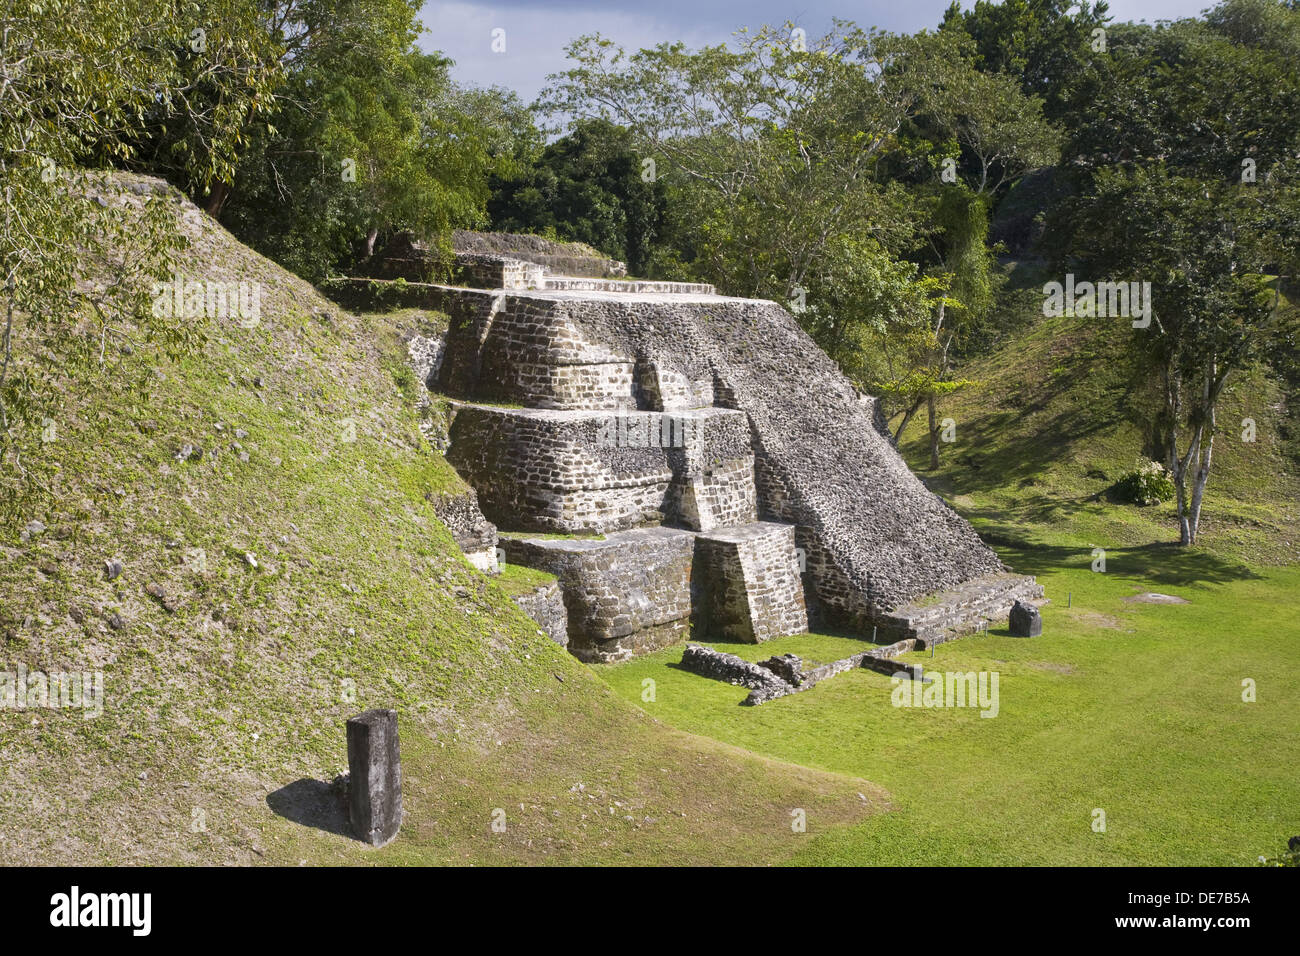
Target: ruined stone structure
pixel 545 605
pixel 720 473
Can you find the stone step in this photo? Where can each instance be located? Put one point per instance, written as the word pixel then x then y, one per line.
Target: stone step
pixel 968 607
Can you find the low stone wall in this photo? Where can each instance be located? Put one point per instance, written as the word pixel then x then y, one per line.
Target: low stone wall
pixel 546 607
pixel 570 283
pixel 779 676
pixel 626 594
pixel 731 669
pixel 496 272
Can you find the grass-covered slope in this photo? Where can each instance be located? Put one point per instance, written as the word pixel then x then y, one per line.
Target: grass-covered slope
pixel 1050 427
pixel 287 573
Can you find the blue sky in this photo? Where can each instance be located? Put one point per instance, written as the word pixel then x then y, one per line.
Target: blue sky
pixel 536 31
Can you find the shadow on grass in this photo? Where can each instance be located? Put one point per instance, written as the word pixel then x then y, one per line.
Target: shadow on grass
pixel 1164 563
pixel 312 803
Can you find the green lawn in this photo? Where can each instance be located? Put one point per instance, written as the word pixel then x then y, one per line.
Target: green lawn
pixel 1132 708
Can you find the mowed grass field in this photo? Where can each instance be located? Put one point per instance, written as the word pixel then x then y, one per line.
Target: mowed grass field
pixel 1135 709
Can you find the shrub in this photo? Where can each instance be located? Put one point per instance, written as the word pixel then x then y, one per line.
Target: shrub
pixel 1147 484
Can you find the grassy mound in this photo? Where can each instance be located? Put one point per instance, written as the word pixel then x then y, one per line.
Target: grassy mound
pixel 269 500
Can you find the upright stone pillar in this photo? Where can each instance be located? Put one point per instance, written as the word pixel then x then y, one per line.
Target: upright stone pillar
pixel 375 786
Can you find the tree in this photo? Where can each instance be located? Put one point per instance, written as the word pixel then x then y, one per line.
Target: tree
pixel 880 318
pixel 1045 44
pixel 998 134
pixel 771 142
pixel 1200 187
pixel 1209 249
pixel 1001 131
pixel 227 60
pixel 369 136
pixel 587 187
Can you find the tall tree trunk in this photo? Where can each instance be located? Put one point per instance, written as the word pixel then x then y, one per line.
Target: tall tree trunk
pixel 907 417
pixel 934 435
pixel 1186 531
pixel 217 199
pixel 371 235
pixel 1199 481
pixel 1206 457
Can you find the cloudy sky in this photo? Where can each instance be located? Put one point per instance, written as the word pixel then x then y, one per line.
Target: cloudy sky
pixel 536 31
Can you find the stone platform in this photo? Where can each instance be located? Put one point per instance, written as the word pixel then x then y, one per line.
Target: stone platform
pixel 627 593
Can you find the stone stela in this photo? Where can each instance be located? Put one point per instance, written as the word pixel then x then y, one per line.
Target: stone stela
pixel 375 777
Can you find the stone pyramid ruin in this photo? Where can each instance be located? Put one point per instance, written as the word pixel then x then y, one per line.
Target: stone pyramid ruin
pixel 681 461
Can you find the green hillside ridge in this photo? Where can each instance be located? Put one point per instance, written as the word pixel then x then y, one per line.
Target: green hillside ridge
pixel 1049 427
pixel 299 587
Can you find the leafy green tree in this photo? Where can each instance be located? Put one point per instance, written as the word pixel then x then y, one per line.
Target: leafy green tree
pixel 227 60
pixel 1045 44
pixel 968 135
pixel 368 135
pixel 1001 132
pixel 1187 168
pixel 876 316
pixel 1210 249
pixel 589 186
pixel 771 142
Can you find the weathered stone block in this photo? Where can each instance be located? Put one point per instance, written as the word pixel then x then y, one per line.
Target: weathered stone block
pixel 748 584
pixel 375 782
pixel 626 594
pixel 1024 620
pixel 546 606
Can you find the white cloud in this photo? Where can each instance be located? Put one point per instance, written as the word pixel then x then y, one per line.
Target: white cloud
pixel 535 38
pixel 538 30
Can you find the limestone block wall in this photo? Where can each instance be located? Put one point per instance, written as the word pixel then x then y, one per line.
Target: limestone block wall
pixel 472 532
pixel 626 594
pixel 518 350
pixel 577 472
pixel 549 471
pixel 496 272
pixel 716 496
pixel 663 389
pixel 564 258
pixel 748 586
